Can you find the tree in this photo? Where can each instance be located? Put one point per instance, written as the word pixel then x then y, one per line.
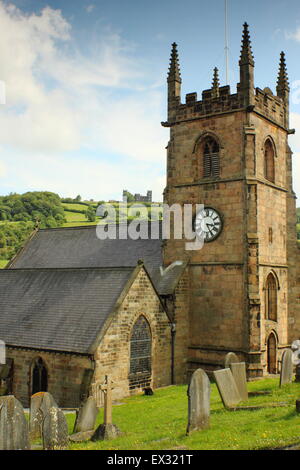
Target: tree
pixel 130 197
pixel 90 214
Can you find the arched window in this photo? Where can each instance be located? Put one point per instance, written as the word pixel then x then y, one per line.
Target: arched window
pixel 39 377
pixel 269 161
pixel 271 298
pixel 211 158
pixel 140 354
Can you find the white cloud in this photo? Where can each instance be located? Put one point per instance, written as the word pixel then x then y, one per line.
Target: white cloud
pixel 59 101
pixel 92 179
pixel 293 35
pixel 90 8
pixel 294 142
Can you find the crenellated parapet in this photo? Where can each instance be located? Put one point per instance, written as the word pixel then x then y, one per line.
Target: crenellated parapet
pixel 219 99
pixel 270 106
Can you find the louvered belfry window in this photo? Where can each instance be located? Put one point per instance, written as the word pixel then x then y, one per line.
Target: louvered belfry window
pixel 140 354
pixel 269 161
pixel 271 300
pixel 211 158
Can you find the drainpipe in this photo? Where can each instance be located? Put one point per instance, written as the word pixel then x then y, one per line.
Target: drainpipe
pixel 173 333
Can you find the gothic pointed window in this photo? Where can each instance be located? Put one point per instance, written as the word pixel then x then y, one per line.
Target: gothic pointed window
pixel 271 298
pixel 211 159
pixel 140 354
pixel 269 162
pixel 39 377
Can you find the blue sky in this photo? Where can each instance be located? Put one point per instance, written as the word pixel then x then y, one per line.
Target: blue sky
pixel 86 85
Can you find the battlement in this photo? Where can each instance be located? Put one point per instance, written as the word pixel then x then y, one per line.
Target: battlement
pixel 271 106
pixel 218 99
pixel 267 104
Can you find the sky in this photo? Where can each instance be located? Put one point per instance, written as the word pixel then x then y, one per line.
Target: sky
pixel 85 85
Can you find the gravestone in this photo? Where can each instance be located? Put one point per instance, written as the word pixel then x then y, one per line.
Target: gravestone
pixel 227 388
pixel 107 430
pixel 238 370
pixel 2 352
pixel 295 347
pixel 87 415
pixel 40 404
pixel 230 358
pixel 286 372
pixel 13 425
pixel 199 401
pixel 55 430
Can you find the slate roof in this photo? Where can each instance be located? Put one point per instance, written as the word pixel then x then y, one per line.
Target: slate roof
pixel 58 309
pixel 79 247
pixel 167 279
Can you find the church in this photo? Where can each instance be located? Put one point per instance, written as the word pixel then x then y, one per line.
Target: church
pixel 148 312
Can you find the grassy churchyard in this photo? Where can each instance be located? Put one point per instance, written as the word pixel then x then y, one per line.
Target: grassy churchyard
pixel 159 422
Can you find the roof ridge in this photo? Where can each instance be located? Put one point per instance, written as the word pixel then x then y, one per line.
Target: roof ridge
pixel 85 227
pixel 80 268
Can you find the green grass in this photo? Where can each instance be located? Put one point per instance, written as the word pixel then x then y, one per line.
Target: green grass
pixel 159 422
pixel 75 217
pixel 3 263
pixel 78 223
pixel 79 207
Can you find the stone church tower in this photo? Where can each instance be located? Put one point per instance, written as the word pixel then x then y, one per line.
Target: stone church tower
pixel 230 152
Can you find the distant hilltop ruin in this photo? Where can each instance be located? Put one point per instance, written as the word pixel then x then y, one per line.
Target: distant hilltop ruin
pixel 137 197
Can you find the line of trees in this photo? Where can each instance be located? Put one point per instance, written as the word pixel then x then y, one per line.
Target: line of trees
pixel 41 207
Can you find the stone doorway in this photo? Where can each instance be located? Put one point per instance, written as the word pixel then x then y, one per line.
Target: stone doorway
pixel 272 354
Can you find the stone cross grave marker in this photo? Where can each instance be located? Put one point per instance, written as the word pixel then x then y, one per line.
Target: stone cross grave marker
pixel 107 430
pixel 198 401
pixel 55 430
pixel 227 388
pixel 13 425
pixel 238 370
pixel 286 372
pixel 87 415
pixel 230 358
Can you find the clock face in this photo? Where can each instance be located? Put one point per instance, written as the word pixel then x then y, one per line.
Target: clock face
pixel 208 224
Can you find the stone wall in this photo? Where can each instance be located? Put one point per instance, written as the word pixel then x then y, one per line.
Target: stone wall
pixel 217 320
pixel 293 249
pixel 65 375
pixel 181 316
pixel 113 354
pixel 227 306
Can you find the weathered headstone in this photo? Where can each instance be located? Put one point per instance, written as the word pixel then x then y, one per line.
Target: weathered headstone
pixel 238 370
pixel 2 352
pixel 227 388
pixel 55 430
pixel 286 372
pixel 13 425
pixel 199 401
pixel 230 358
pixel 87 415
pixel 40 404
pixel 295 347
pixel 107 430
